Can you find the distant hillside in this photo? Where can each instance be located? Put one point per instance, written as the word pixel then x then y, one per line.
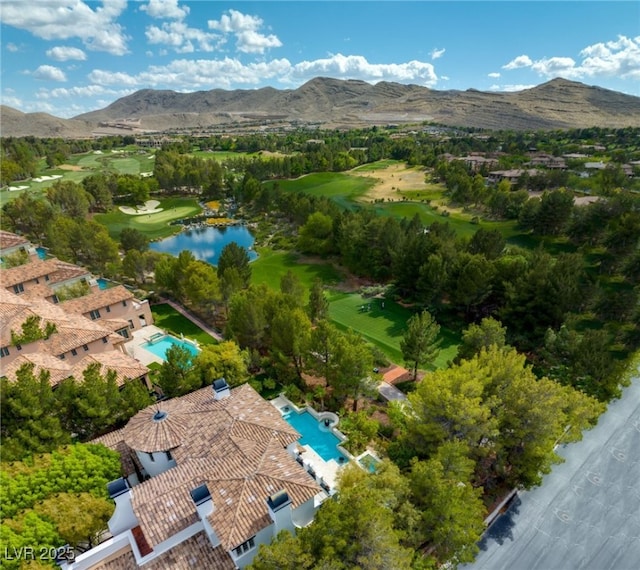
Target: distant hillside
pixel 337 103
pixel 14 123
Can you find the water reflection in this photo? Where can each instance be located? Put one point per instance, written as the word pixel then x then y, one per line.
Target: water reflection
pixel 206 244
pixel 502 528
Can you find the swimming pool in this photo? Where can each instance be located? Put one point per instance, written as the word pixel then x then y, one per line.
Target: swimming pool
pixel 368 462
pixel 322 441
pixel 159 347
pixel 102 283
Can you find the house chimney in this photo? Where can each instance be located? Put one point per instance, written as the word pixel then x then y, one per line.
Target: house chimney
pixel 220 389
pixel 123 517
pixel 201 498
pixel 279 506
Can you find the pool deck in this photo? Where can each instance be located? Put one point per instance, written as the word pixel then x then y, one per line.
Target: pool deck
pixel 326 471
pixel 141 336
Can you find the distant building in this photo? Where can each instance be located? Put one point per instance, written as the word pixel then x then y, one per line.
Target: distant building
pixel 208 478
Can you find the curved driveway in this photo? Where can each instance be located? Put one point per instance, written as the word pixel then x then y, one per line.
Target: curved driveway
pixel 586 514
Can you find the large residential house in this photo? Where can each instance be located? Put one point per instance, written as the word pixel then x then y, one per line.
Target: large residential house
pixel 64 337
pixel 209 477
pixel 12 243
pixel 116 308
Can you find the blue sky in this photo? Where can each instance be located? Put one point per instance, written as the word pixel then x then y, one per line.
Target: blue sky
pixel 66 57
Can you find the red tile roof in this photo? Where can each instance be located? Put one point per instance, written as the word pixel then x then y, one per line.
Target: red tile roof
pixel 235 445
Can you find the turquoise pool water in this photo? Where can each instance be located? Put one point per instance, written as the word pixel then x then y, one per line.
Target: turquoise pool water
pixel 160 347
pixel 369 462
pixel 324 443
pixel 102 283
pixel 42 252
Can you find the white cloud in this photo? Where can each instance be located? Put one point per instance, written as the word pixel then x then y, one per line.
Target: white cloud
pixel 234 22
pixel 65 53
pixel 520 61
pixel 254 42
pixel 188 75
pixel 64 19
pixel 493 75
pixel 554 66
pixel 112 78
pixel 245 28
pixel 357 67
pixel 81 91
pixel 12 47
pixel 181 37
pixel 510 88
pixel 49 73
pixel 619 58
pixel 166 9
pixel 437 53
pixel 11 100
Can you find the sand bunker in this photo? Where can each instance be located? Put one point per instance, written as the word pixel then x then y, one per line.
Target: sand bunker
pixel 14 188
pixel 149 207
pixel 45 178
pixel 71 167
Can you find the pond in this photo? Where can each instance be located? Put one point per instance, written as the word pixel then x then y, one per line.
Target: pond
pixel 206 243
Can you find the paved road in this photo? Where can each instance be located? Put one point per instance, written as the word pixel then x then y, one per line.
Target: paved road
pixel 586 514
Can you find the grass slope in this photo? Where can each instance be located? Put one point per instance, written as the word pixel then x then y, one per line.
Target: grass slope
pixel 152 225
pixel 272 265
pixel 167 318
pixel 341 188
pixel 384 327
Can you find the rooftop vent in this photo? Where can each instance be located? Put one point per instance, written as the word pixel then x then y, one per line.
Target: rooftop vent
pixel 278 501
pixel 221 389
pixel 200 494
pixel 159 416
pixel 117 487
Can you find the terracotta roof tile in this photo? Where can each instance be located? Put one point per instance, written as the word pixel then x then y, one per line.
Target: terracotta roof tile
pixel 97 300
pixel 72 330
pixel 121 560
pixel 155 429
pixel 235 445
pixel 58 369
pixel 58 271
pixel 125 367
pixel 195 553
pixel 7 240
pixel 128 460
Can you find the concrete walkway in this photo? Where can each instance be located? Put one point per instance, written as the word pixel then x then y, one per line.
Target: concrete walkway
pixel 390 392
pixel 195 320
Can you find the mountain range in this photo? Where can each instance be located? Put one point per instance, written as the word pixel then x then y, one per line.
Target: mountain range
pixel 333 103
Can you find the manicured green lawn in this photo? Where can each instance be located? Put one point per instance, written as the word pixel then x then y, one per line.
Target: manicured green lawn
pixel 91 163
pixel 384 327
pixel 152 225
pixel 219 155
pixel 378 165
pixel 167 318
pixel 272 265
pixel 341 188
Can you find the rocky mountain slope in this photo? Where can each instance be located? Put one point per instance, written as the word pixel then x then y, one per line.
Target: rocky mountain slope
pixel 336 103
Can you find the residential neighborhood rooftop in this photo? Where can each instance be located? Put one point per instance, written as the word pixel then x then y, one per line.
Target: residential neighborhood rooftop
pixel 236 446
